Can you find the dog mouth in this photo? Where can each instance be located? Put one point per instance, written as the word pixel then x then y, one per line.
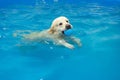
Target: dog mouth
pixel 66 28
pixel 63 32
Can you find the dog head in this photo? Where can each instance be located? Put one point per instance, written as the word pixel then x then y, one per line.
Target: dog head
pixel 59 25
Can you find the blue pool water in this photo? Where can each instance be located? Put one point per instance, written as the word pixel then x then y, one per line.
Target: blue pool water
pixel 97 24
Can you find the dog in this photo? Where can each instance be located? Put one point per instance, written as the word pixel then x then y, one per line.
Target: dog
pixel 55 33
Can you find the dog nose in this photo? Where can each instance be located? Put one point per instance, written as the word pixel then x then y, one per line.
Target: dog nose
pixel 68 26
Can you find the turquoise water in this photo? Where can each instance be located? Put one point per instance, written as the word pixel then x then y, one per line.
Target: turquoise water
pixel 97 25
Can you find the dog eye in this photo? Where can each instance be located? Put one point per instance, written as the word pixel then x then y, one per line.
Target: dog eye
pixel 60 24
pixel 67 21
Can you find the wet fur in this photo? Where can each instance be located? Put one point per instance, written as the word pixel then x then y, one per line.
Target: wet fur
pixel 54 33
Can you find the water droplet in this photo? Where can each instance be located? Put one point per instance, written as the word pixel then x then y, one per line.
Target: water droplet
pixel 62 57
pixel 0 36
pixel 51 47
pixel 41 79
pixel 4 28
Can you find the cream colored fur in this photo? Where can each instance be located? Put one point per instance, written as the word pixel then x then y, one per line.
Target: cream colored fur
pixel 54 33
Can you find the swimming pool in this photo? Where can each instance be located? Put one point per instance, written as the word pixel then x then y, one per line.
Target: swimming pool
pixel 96 23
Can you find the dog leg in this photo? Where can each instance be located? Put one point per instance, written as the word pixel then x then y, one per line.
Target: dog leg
pixel 64 43
pixel 76 40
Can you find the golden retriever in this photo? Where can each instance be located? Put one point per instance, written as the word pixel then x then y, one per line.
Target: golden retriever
pixel 55 33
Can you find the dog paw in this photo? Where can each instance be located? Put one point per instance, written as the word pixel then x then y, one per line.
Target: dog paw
pixel 70 46
pixel 80 44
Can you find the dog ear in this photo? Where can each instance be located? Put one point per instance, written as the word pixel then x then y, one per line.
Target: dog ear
pixel 52 30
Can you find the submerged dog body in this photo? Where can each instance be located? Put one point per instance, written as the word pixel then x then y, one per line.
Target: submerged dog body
pixel 55 33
